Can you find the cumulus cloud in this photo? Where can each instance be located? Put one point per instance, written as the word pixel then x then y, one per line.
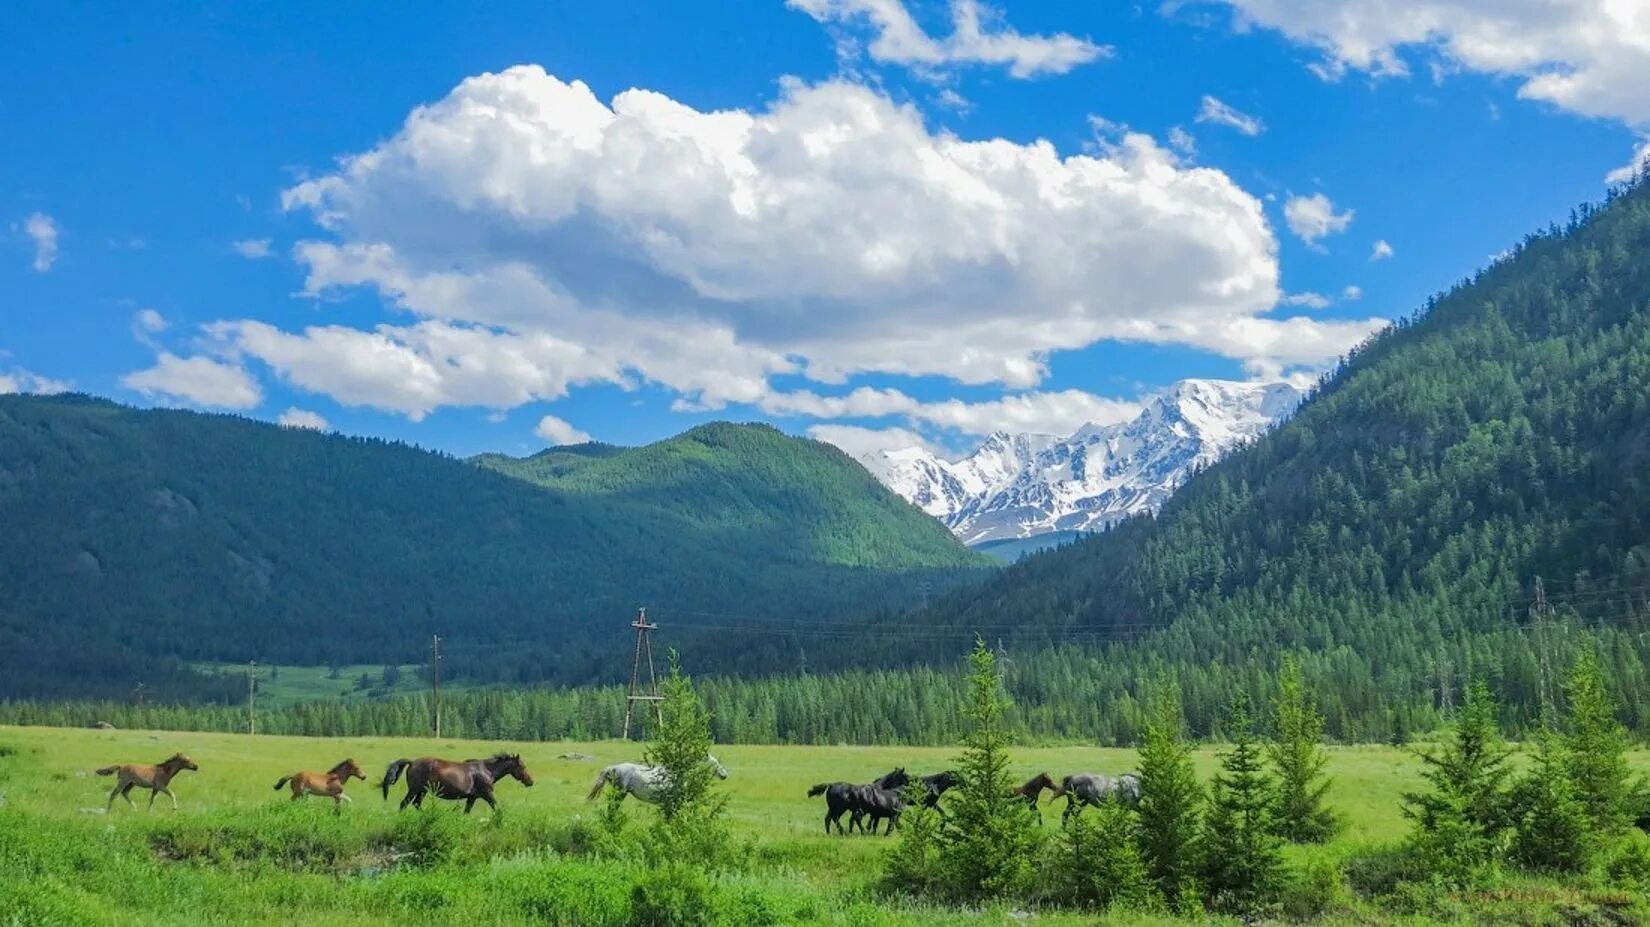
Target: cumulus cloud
pixel 1218 113
pixel 857 441
pixel 200 380
pixel 831 235
pixel 1308 299
pixel 25 381
pixel 253 248
pixel 42 230
pixel 1586 56
pixel 978 37
pixel 295 417
pixel 149 321
pixel 557 432
pixel 1352 292
pixel 1381 251
pixel 1639 162
pixel 1313 218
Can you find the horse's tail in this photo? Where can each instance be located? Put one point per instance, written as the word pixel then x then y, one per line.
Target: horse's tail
pixel 108 770
pixel 818 790
pixel 281 781
pixel 391 775
pixel 596 787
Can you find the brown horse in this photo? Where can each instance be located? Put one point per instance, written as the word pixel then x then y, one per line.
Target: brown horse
pixel 1033 790
pixel 330 783
pixel 154 778
pixel 469 780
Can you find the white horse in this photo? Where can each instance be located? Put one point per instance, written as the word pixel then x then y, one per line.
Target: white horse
pixel 1096 788
pixel 641 781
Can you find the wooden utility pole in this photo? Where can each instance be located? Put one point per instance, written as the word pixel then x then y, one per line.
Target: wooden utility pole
pixel 252 697
pixel 652 694
pixel 435 680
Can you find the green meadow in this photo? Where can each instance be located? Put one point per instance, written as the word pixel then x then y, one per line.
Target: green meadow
pixel 239 852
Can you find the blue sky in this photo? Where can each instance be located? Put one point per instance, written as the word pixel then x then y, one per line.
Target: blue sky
pixel 872 221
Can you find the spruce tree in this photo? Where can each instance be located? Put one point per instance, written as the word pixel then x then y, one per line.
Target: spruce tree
pixel 1242 854
pixel 1596 749
pixel 991 838
pixel 1461 820
pixel 1169 800
pixel 690 826
pixel 1554 832
pixel 1100 865
pixel 1296 752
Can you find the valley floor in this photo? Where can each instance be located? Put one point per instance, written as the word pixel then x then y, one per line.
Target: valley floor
pixel 239 852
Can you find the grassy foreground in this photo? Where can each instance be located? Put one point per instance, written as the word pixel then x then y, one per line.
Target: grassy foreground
pixel 238 852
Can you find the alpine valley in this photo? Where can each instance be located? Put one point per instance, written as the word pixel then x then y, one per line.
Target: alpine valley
pixel 1051 489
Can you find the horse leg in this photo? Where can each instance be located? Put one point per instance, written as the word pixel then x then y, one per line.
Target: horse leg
pixel 126 793
pixel 153 792
pixel 488 798
pixel 112 793
pixel 169 794
pixel 470 803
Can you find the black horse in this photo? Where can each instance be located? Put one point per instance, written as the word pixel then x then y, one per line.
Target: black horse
pixel 847 798
pixel 935 785
pixel 471 780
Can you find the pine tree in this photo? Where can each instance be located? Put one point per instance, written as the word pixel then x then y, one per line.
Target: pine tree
pixel 1242 855
pixel 1297 754
pixel 991 838
pixel 1596 748
pixel 1554 832
pixel 1460 821
pixel 1169 800
pixel 1100 863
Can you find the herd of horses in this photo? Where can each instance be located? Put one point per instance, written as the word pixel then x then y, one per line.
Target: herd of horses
pixel 883 799
pixel 468 781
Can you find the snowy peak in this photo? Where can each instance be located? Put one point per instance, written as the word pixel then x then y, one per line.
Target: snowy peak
pixel 1019 486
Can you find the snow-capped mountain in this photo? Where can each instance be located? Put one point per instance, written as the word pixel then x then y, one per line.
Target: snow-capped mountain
pixel 1019 486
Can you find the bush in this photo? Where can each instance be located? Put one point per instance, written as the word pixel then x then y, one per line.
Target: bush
pixel 1629 865
pixel 1318 886
pixel 675 895
pixel 1099 864
pixel 428 838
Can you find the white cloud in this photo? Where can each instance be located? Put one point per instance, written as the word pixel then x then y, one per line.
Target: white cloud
pixel 198 380
pixel 558 432
pixel 1313 218
pixel 1182 142
pixel 253 248
pixel 24 381
pixel 1381 251
pixel 1636 164
pixel 978 36
pixel 42 230
pixel 1587 56
pixel 1061 412
pixel 831 235
pixel 1219 113
pixel 856 441
pixel 295 417
pixel 148 321
pixel 1308 299
pixel 1352 293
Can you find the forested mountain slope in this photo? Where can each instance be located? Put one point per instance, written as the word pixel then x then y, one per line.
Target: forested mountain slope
pixel 131 537
pixel 1396 525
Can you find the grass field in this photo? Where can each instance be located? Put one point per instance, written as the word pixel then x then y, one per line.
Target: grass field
pixel 239 852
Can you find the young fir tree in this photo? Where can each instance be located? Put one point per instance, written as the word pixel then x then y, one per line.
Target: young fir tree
pixel 991 839
pixel 1169 800
pixel 1099 862
pixel 1553 830
pixel 690 825
pixel 1242 854
pixel 1596 749
pixel 1297 754
pixel 1461 820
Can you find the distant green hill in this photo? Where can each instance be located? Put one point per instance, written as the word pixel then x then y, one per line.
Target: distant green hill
pixel 1396 525
pixel 130 539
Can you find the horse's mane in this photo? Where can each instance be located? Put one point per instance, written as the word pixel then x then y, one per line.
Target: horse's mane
pixel 504 758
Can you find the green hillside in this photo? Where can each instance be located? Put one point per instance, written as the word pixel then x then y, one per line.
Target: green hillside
pixel 131 539
pixel 1395 527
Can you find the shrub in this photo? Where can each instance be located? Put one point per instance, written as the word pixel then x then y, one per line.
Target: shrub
pixel 673 895
pixel 1629 865
pixel 1318 886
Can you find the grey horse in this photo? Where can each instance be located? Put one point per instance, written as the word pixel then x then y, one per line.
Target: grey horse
pixel 1094 789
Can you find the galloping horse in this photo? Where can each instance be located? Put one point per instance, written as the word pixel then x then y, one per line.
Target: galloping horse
pixel 1033 790
pixel 1094 789
pixel 470 780
pixel 846 797
pixel 330 783
pixel 154 778
pixel 879 802
pixel 936 785
pixel 641 781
